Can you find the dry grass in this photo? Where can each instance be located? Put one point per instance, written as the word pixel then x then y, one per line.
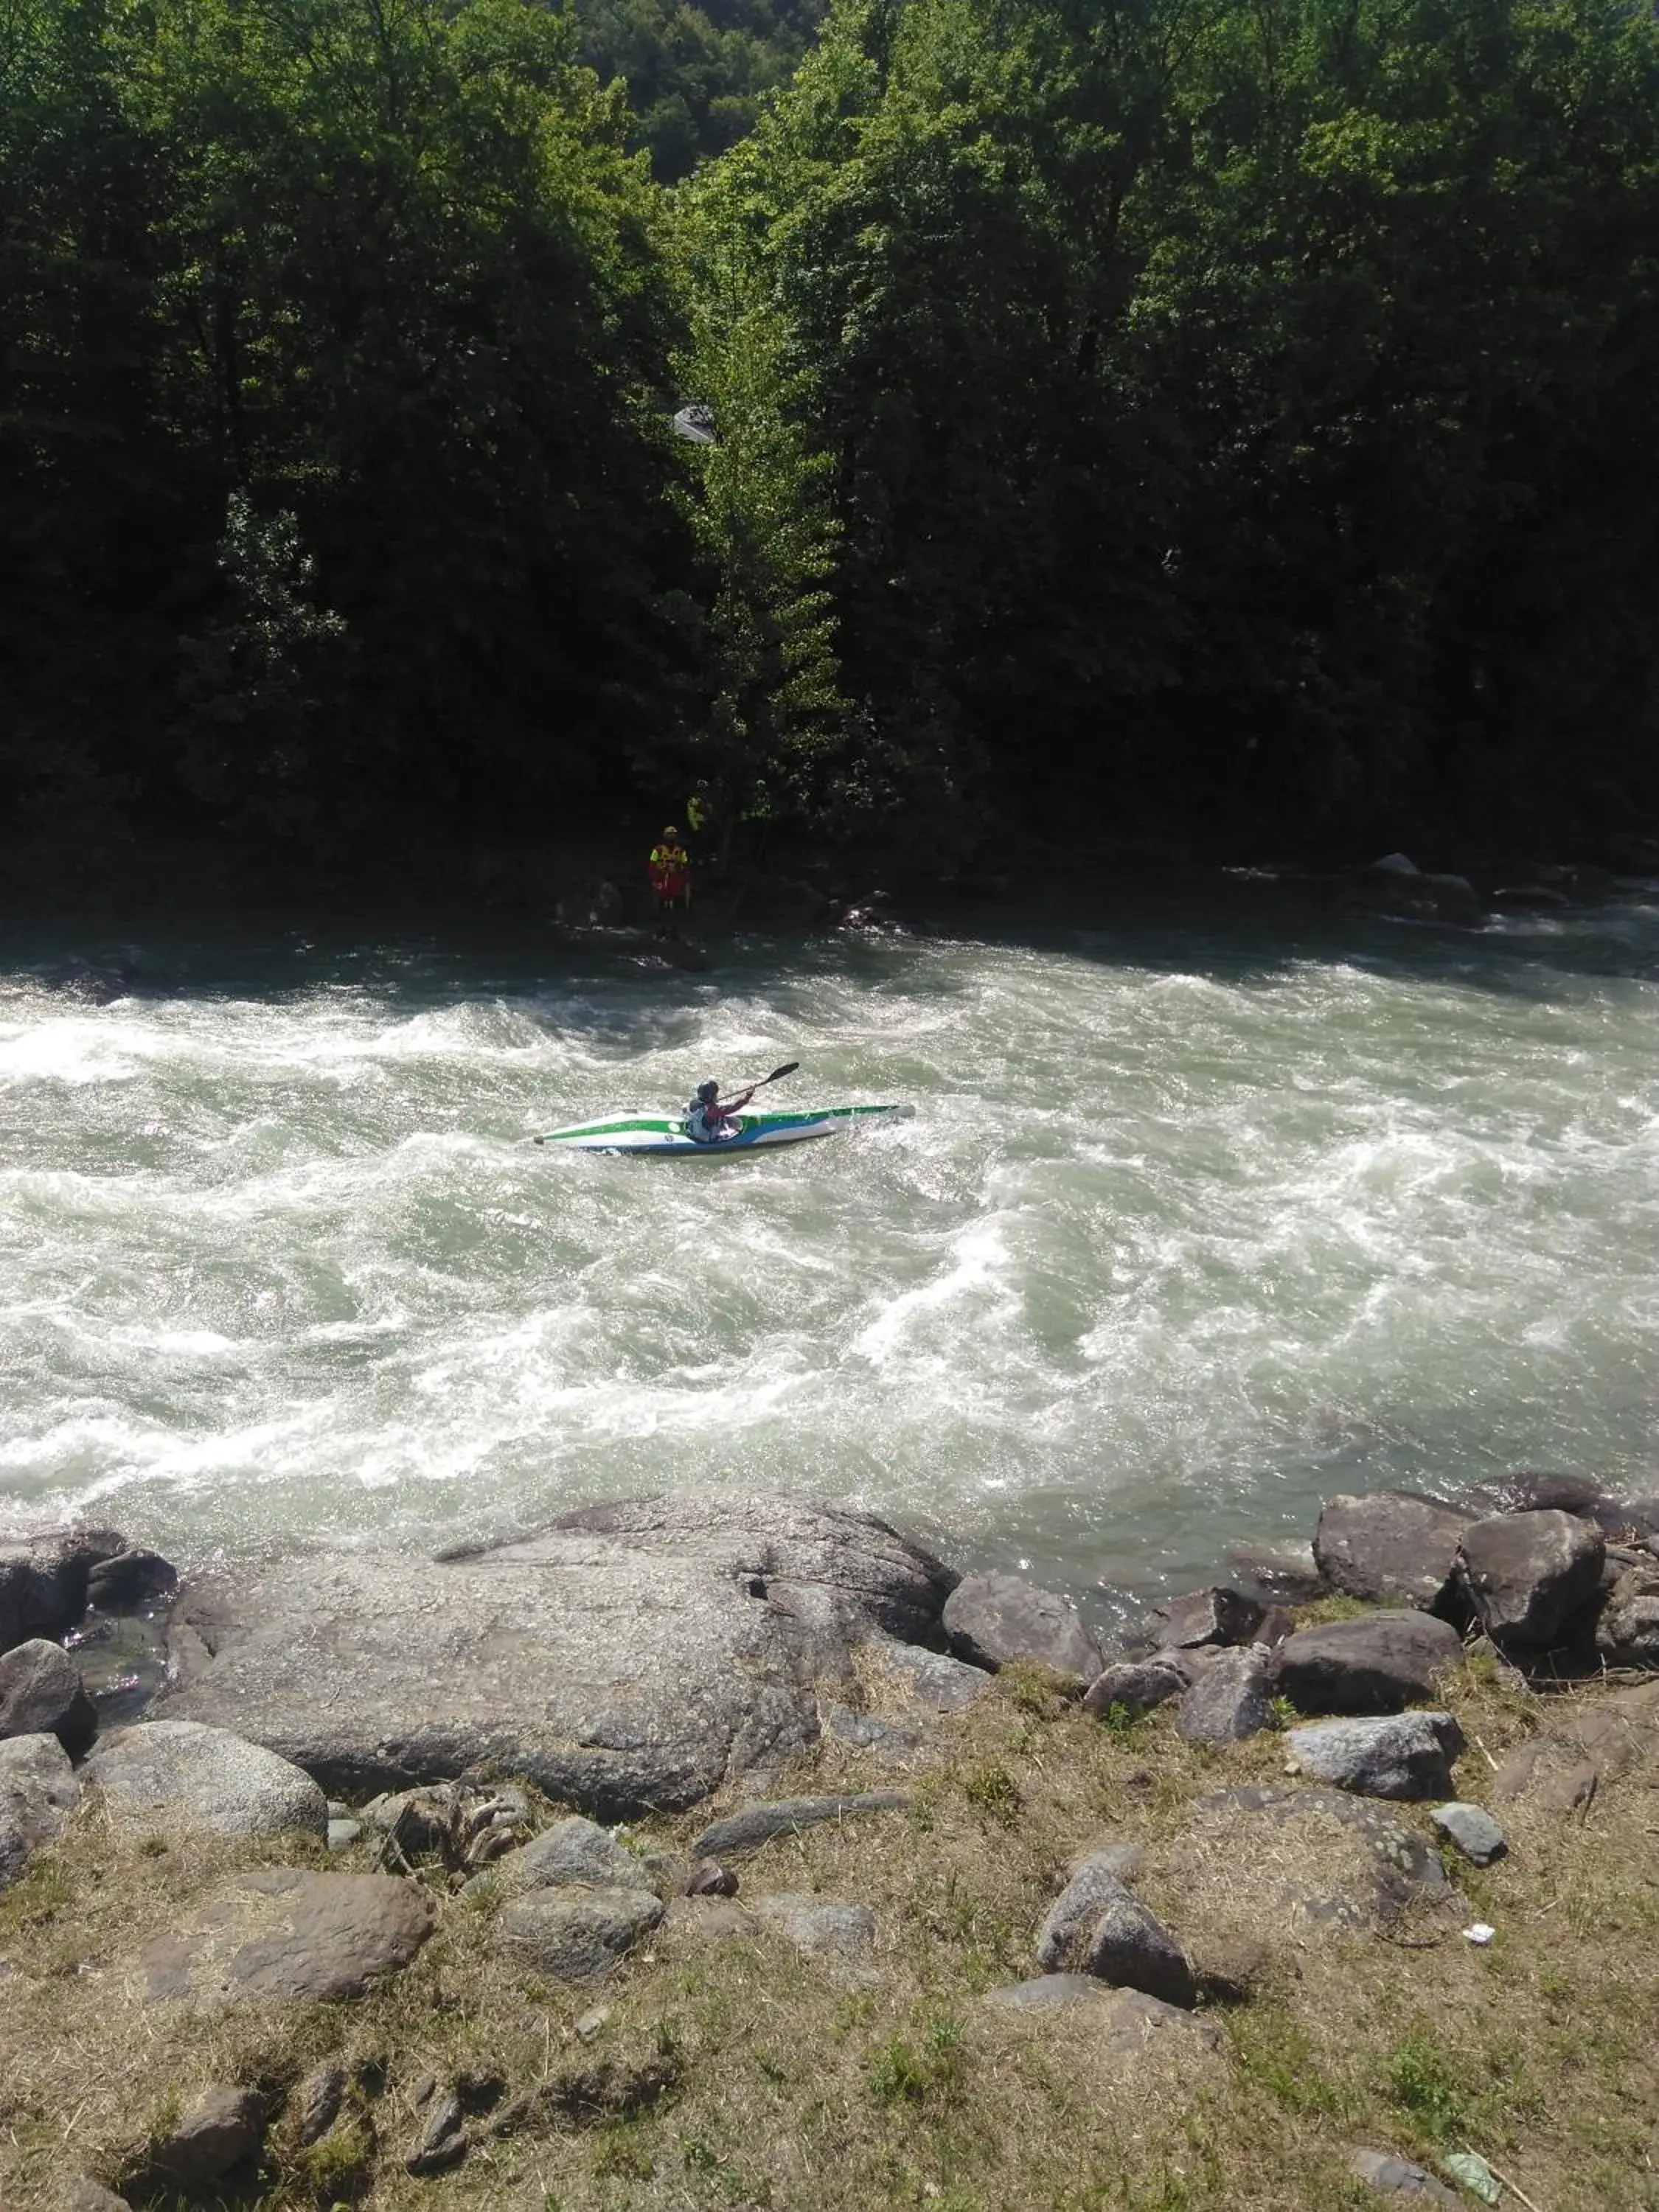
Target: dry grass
pixel 733 2074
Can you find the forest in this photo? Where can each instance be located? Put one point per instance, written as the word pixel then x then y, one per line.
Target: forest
pixel 1220 421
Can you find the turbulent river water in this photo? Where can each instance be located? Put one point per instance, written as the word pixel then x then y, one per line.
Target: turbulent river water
pixel 1191 1227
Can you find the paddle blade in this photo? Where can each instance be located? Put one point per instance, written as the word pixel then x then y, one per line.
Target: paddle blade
pixel 788 1068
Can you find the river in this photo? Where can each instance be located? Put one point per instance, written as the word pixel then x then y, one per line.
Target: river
pixel 1192 1227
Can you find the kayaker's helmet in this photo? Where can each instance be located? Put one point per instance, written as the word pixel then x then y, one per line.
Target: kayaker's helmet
pixel 670 832
pixel 707 1093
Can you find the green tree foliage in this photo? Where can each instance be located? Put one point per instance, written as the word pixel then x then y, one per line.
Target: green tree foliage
pixel 697 76
pixel 1233 408
pixel 366 294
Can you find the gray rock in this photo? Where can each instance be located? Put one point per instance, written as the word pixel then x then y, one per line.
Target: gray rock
pixel 577 1934
pixel 1578 1494
pixel 1046 1993
pixel 991 1620
pixel 1137 1686
pixel 573 1850
pixel 1376 1664
pixel 1316 1859
pixel 1232 1699
pixel 1131 1948
pixel 440 2141
pixel 630 1659
pixel 1627 1634
pixel 281 1936
pixel 1277 1574
pixel 222 2130
pixel 1473 1830
pixel 821 1926
pixel 708 1878
pixel 129 1580
pixel 343 1834
pixel 1109 1855
pixel 313 2104
pixel 1397 2177
pixel 1215 1615
pixel 38 1789
pixel 1097 1882
pixel 43 1582
pixel 1531 1577
pixel 709 1918
pixel 1401 1755
pixel 758 1824
pixel 1390 1548
pixel 41 1694
pixel 1125 2022
pixel 1095 1926
pixel 79 2194
pixel 180 1774
pixel 938 1682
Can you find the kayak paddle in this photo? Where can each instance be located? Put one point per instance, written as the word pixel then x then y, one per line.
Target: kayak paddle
pixel 788 1068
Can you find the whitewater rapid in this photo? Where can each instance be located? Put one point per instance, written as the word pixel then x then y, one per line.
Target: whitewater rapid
pixel 1189 1229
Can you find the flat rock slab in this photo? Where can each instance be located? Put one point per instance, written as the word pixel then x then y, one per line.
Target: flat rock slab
pixel 577 1934
pixel 1398 1755
pixel 1391 1548
pixel 41 1694
pixel 1609 1737
pixel 1375 1664
pixel 1125 2024
pixel 38 1789
pixel 281 1936
pixel 1532 1578
pixel 821 1926
pixel 993 1619
pixel 630 1659
pixel 1298 1864
pixel 932 1679
pixel 180 1774
pixel 759 1824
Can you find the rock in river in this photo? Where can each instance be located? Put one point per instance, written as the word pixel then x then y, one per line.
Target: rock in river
pixel 631 1658
pixel 1532 1577
pixel 1391 1548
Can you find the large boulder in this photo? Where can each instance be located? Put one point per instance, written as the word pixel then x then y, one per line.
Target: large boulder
pixel 1290 1867
pixel 1375 1664
pixel 1532 1578
pixel 1580 1495
pixel 41 1692
pixel 631 1658
pixel 38 1792
pixel 1391 1548
pixel 178 1774
pixel 1230 1699
pixel 282 1936
pixel 1399 1755
pixel 992 1619
pixel 578 1933
pixel 1134 1686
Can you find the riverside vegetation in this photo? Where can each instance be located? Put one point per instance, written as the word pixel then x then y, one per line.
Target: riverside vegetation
pixel 1227 423
pixel 808 2004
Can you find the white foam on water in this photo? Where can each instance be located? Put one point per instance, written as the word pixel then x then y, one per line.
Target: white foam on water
pixel 1184 1234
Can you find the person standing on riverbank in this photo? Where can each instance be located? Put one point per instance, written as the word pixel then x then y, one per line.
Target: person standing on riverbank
pixel 670 870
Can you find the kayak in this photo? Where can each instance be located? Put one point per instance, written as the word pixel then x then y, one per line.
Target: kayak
pixel 665 1134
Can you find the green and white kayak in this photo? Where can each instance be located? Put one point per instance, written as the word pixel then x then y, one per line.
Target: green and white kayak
pixel 665 1133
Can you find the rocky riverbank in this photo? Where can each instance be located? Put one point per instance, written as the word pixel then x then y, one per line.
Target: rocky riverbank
pixel 736 1851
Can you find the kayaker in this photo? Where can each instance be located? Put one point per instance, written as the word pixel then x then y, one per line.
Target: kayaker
pixel 670 870
pixel 706 1117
